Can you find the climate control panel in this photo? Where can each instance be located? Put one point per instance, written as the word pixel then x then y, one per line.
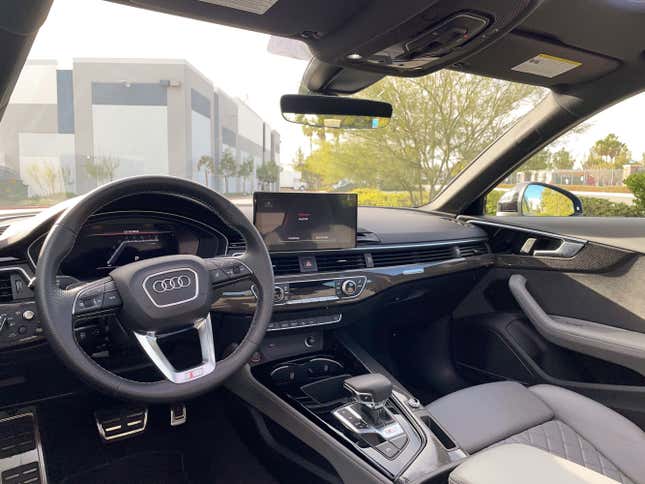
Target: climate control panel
pixel 19 324
pixel 318 290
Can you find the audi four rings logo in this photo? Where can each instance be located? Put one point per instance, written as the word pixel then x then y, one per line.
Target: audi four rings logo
pixel 171 284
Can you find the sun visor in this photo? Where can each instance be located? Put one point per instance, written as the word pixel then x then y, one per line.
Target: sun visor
pixel 531 60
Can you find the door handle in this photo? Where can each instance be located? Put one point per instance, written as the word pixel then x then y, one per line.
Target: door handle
pixel 566 249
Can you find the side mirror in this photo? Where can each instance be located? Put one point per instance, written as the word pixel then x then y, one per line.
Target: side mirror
pixel 538 200
pixel 335 112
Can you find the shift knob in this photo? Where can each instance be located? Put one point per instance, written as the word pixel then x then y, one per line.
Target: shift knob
pixel 371 390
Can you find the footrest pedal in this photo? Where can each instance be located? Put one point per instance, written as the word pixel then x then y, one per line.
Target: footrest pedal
pixel 119 423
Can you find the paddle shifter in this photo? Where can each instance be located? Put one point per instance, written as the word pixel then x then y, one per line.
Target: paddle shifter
pixel 368 418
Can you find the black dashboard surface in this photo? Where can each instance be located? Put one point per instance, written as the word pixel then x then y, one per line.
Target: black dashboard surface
pixel 382 225
pixel 406 226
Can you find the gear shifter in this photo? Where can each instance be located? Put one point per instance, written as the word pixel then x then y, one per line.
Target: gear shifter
pixel 368 418
pixel 371 390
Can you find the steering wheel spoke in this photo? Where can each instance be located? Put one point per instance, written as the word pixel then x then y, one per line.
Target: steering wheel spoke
pixel 150 344
pixel 96 298
pixel 228 270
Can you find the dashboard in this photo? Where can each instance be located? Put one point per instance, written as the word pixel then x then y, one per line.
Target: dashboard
pixel 113 239
pixel 316 284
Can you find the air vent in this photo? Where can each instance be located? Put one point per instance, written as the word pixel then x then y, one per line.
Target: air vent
pixel 5 288
pixel 285 264
pixel 365 237
pixel 340 262
pixel 236 245
pixel 472 249
pixel 399 257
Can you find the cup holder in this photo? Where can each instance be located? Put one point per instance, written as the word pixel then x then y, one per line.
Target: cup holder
pixel 304 372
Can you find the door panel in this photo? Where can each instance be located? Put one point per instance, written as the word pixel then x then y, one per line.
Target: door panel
pixel 619 232
pixel 583 304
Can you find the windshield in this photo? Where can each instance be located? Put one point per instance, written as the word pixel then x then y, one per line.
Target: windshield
pixel 111 91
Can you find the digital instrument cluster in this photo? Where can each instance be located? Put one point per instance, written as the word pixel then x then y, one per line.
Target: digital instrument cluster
pixel 107 242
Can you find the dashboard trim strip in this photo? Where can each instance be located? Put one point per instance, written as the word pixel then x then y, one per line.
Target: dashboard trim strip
pixel 375 247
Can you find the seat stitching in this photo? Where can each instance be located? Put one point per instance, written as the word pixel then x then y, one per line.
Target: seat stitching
pixel 546 438
pixel 606 467
pixel 564 441
pixel 602 465
pixel 582 451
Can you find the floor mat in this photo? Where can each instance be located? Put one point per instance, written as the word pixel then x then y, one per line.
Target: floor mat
pixel 205 450
pixel 143 468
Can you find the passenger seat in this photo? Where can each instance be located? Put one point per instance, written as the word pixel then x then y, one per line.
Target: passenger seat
pixel 556 420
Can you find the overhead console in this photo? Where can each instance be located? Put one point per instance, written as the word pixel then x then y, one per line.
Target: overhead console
pixel 439 36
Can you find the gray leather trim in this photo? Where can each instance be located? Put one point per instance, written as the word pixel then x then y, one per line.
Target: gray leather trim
pixel 515 463
pixel 485 414
pixel 560 439
pixel 618 439
pixel 617 345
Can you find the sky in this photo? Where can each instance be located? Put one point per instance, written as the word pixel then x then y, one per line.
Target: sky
pixel 238 62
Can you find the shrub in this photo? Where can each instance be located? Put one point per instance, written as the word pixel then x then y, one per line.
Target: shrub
pixel 636 183
pixel 379 198
pixel 599 207
pixel 491 202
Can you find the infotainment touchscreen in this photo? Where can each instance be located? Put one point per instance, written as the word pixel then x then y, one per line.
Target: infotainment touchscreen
pixel 291 221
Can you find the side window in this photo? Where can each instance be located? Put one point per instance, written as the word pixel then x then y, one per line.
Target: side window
pixel 596 170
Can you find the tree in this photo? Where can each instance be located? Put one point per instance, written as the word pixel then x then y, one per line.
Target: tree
pixel 539 161
pixel 441 122
pixel 246 170
pixel 608 153
pixel 268 173
pixel 46 176
pixel 228 167
pixel 309 177
pixel 562 160
pixel 207 164
pixel 102 168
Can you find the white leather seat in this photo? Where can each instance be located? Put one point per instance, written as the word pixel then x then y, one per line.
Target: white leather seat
pixel 556 420
pixel 519 463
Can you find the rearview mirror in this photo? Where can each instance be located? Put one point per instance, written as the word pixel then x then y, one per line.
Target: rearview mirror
pixel 335 112
pixel 538 200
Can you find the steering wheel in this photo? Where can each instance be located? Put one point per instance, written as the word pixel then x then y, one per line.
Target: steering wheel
pixel 153 298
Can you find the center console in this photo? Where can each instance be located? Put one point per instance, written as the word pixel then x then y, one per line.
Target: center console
pixel 348 396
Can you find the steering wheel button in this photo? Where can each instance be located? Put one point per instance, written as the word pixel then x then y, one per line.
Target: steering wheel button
pixel 217 275
pixel 111 299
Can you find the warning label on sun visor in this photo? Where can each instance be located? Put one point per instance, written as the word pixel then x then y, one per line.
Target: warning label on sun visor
pixel 258 7
pixel 546 65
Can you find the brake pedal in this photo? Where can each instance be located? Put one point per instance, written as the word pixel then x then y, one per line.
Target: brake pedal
pixel 178 414
pixel 119 423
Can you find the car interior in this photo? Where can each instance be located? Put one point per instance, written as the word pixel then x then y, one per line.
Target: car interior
pixel 302 337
